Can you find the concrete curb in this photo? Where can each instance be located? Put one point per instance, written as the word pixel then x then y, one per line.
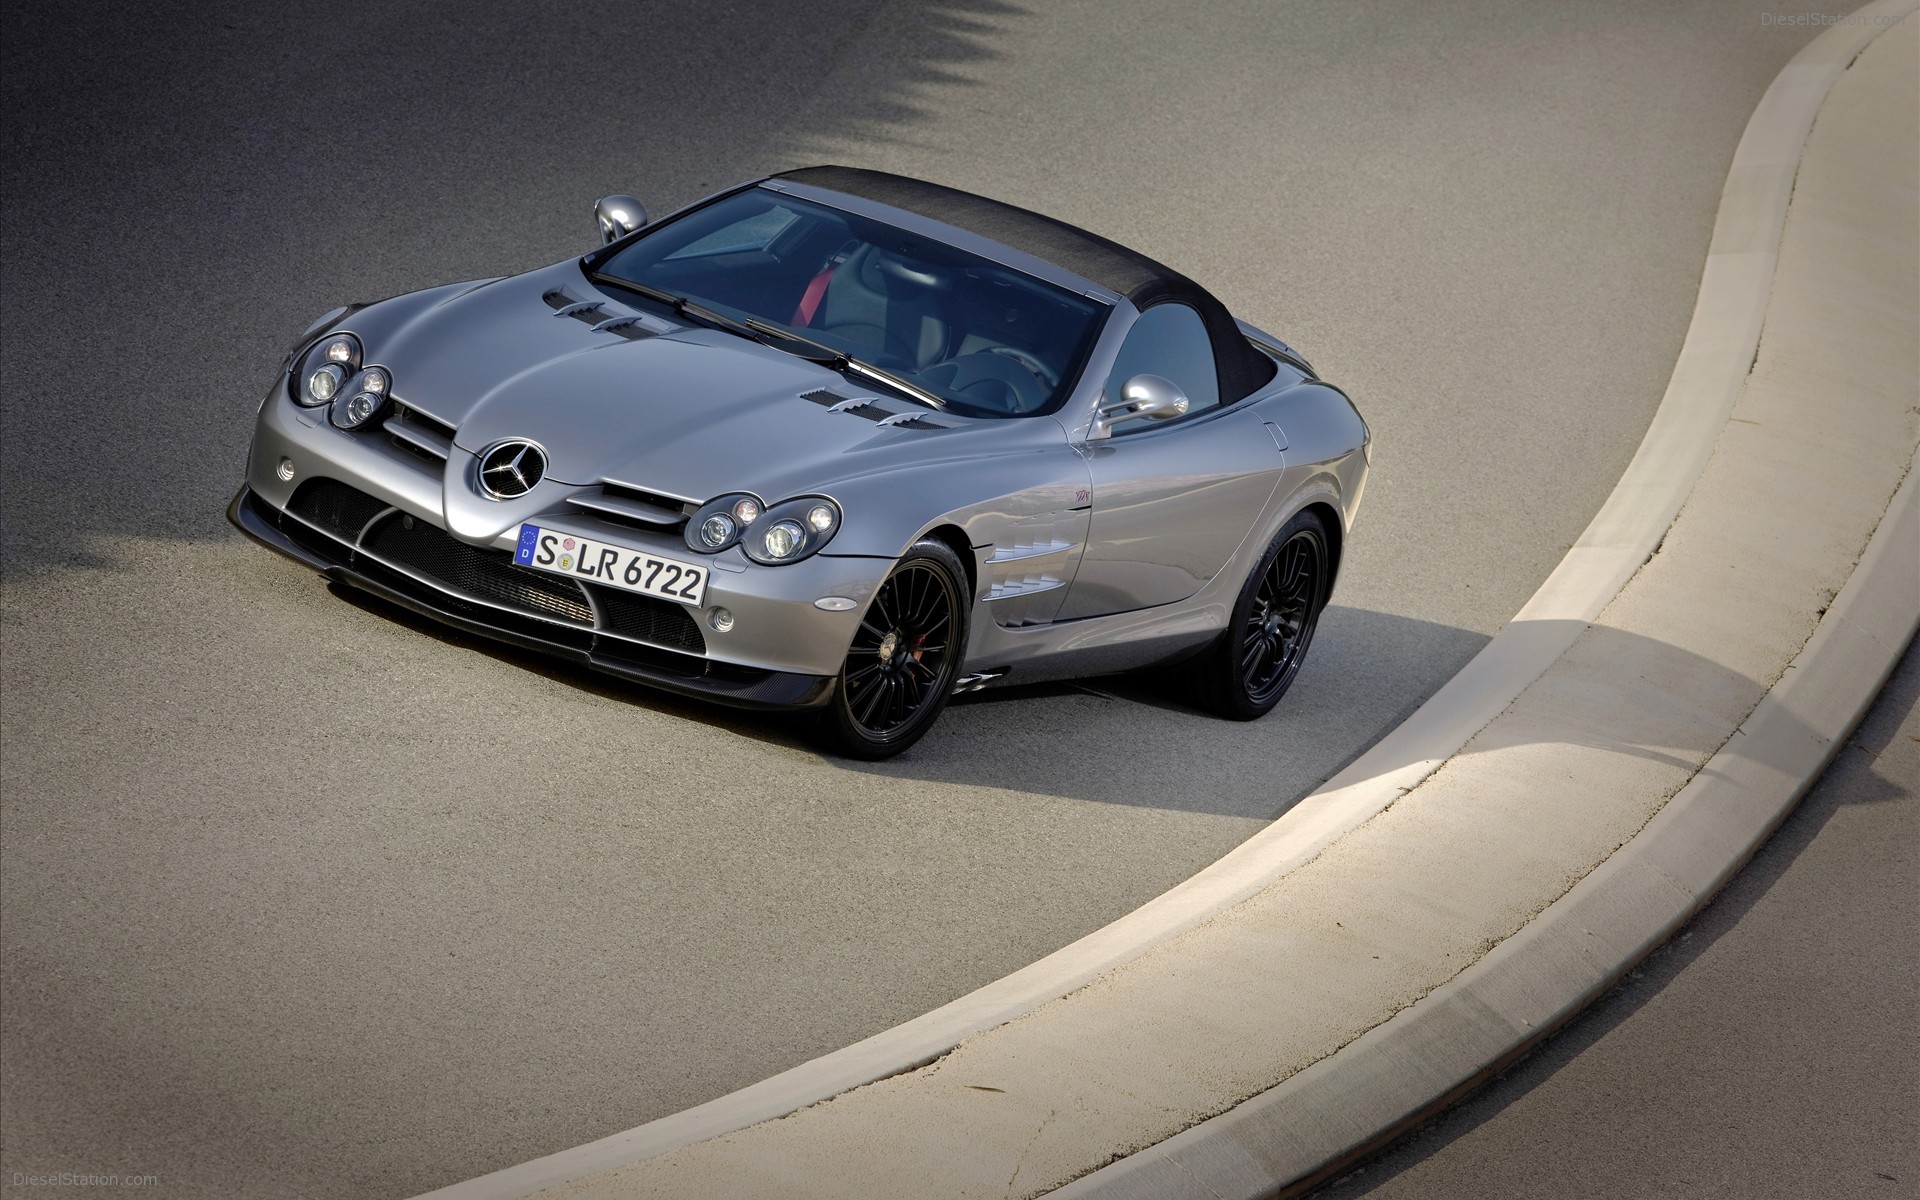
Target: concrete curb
pixel 1720 346
pixel 1319 1122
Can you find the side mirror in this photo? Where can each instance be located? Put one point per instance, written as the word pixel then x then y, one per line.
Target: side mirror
pixel 618 216
pixel 1147 397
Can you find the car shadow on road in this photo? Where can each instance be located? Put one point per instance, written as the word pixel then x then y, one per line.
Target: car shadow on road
pixel 1141 739
pixel 1133 739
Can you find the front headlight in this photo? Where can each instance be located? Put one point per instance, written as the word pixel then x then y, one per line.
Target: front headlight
pixel 361 399
pixel 323 385
pixel 321 372
pixel 791 530
pixel 720 521
pixel 329 372
pixel 781 540
pixel 359 405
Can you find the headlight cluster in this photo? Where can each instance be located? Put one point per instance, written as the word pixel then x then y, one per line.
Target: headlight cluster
pixel 329 373
pixel 783 533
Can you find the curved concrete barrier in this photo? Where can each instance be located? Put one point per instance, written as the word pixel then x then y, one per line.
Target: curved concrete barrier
pixel 1405 928
pixel 1317 1122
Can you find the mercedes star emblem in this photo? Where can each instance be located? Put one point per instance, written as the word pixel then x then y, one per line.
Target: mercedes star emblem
pixel 510 469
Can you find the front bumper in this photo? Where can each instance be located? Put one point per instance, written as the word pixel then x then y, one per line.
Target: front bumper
pixel 776 627
pixel 688 674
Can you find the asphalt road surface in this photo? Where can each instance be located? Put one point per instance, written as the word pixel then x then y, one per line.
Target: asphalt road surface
pixel 303 897
pixel 1771 1050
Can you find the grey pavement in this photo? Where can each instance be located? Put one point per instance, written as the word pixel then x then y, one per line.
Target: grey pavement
pixel 1772 1049
pixel 302 897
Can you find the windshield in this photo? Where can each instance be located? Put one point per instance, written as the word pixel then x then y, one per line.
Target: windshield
pixel 988 340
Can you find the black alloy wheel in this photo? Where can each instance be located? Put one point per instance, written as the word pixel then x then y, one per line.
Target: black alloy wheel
pixel 900 669
pixel 1260 652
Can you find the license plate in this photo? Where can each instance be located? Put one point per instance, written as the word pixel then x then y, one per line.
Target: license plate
pixel 569 554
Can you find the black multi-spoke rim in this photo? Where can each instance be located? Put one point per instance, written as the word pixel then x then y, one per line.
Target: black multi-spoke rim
pixel 901 657
pixel 1281 618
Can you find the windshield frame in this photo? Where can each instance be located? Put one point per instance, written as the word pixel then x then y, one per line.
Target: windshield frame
pixel 1104 302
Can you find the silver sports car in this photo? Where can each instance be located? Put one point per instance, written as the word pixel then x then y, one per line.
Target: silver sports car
pixel 832 440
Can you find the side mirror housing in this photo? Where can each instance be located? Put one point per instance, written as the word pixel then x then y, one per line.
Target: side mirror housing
pixel 1143 397
pixel 618 216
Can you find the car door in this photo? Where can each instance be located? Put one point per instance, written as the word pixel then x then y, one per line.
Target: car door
pixel 1171 500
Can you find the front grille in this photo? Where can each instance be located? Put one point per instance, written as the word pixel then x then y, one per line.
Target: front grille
pixel 487 574
pixel 661 622
pixel 419 434
pixel 626 491
pixel 340 510
pixel 632 508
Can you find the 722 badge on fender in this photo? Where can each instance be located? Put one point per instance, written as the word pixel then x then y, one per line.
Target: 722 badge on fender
pixel 565 553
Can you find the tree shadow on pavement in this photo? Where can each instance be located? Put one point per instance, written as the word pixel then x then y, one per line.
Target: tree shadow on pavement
pixel 168 231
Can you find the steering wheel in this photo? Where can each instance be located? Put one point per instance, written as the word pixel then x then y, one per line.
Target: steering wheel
pixel 1048 379
pixel 993 382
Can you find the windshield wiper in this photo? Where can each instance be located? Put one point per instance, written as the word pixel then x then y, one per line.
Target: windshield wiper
pixel 779 339
pixel 759 331
pixel 650 292
pixel 889 379
pixel 840 360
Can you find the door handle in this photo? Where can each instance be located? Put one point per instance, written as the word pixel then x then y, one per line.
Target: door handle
pixel 1279 435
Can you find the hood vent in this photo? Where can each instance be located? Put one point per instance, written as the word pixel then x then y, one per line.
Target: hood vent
pixel 872 409
pixel 909 420
pixel 604 317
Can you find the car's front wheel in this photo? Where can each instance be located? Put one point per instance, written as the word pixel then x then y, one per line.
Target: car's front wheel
pixel 1247 671
pixel 905 656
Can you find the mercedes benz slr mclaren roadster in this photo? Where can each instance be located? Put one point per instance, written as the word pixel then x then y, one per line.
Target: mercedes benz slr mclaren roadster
pixel 832 440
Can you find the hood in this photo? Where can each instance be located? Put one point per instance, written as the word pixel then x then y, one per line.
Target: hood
pixel 674 407
pixel 689 412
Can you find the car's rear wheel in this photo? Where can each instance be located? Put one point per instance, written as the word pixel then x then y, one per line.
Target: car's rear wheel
pixel 1254 663
pixel 901 667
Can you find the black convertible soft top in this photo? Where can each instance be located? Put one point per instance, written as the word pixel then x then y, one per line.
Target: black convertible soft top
pixel 1241 367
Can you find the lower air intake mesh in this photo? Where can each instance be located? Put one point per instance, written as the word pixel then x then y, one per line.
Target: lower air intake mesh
pixel 487 574
pixel 661 622
pixel 340 510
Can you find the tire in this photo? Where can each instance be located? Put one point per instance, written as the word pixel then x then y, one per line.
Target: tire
pixel 900 669
pixel 1255 660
